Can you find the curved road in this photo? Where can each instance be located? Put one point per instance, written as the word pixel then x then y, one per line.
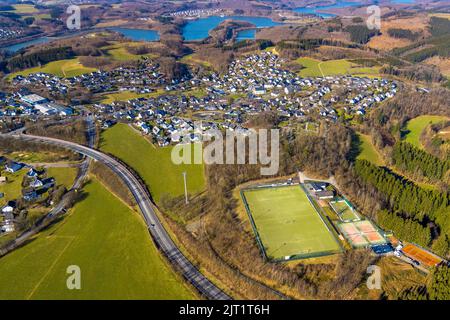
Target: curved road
pixel 156 229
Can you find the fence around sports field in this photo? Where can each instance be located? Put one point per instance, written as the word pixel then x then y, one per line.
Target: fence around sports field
pixel 424 256
pixel 299 255
pixel 344 209
pixel 362 233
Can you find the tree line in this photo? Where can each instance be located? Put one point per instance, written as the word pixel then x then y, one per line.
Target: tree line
pixel 360 33
pixel 402 195
pixel 409 208
pixel 402 34
pixel 437 288
pixel 39 57
pixel 407 229
pixel 412 159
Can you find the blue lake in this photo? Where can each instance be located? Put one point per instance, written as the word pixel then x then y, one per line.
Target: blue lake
pixel 248 34
pixel 138 34
pixel 316 10
pixel 198 29
pixel 403 1
pixel 16 47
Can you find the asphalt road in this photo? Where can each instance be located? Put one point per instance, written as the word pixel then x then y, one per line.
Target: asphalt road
pixel 161 237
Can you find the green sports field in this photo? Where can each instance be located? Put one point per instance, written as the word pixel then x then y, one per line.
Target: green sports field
pixel 343 210
pixel 287 223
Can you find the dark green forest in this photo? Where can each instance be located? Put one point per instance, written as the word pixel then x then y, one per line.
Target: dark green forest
pixel 414 160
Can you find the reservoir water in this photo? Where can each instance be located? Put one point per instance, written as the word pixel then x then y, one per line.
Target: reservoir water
pixel 137 34
pixel 16 47
pixel 198 29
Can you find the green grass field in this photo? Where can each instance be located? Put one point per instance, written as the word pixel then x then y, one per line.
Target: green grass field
pixel 13 188
pixel 153 164
pixel 193 59
pixel 317 68
pixel 127 95
pixel 32 157
pixel 63 176
pixel 111 245
pixel 368 151
pixel 288 224
pixel 119 51
pixel 61 68
pixel 24 8
pixel 38 17
pixel 311 67
pixel 417 125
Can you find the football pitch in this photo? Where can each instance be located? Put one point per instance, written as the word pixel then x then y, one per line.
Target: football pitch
pixel 287 224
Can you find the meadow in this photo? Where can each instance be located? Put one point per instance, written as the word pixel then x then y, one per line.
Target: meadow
pixel 368 151
pixel 193 59
pixel 24 8
pixel 317 68
pixel 110 244
pixel 153 164
pixel 62 68
pixel 287 223
pixel 12 189
pixel 415 127
pixel 63 175
pixel 119 52
pixel 130 95
pixel 127 95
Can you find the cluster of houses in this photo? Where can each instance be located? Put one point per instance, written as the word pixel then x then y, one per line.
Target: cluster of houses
pixel 25 103
pixel 36 185
pixel 261 85
pixel 141 79
pixel 262 76
pixel 253 84
pixel 195 13
pixel 10 33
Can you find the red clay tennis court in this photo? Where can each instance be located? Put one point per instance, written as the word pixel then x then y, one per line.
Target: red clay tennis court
pixel 424 257
pixel 361 233
pixel 366 226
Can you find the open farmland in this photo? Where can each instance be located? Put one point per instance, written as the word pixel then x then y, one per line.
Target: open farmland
pixel 119 51
pixel 317 68
pixel 64 176
pixel 61 68
pixel 442 63
pixel 153 164
pixel 415 127
pixel 417 24
pixel 287 223
pixel 12 189
pixel 368 151
pixel 24 8
pixel 111 245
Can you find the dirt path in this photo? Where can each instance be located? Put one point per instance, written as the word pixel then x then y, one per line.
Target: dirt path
pixel 54 164
pixel 302 177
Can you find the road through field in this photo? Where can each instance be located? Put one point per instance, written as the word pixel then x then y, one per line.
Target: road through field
pixel 155 227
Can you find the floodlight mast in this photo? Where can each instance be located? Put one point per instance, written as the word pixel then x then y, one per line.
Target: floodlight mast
pixel 185 188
